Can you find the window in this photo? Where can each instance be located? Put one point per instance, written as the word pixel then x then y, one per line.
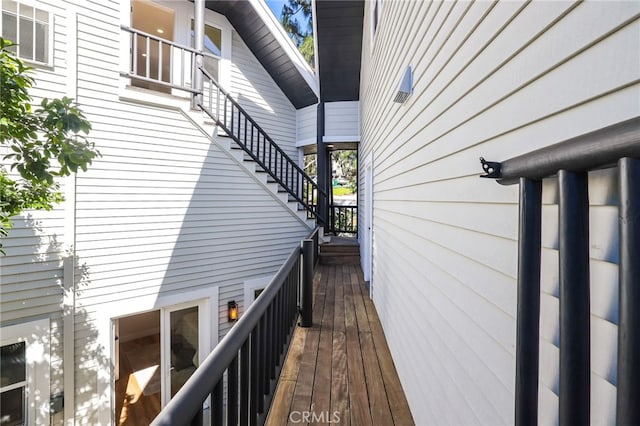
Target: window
pixel 212 46
pixel 30 28
pixel 24 373
pixel 13 384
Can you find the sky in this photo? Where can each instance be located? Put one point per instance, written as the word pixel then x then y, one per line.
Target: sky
pixel 276 8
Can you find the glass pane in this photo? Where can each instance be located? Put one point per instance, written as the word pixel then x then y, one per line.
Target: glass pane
pixel 9 27
pixel 10 6
pixel 211 65
pixel 26 11
pixel 42 16
pixel 212 39
pixel 12 364
pixel 184 346
pixel 12 403
pixel 42 45
pixel 25 38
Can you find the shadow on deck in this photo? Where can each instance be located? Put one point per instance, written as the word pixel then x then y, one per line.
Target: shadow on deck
pixel 340 370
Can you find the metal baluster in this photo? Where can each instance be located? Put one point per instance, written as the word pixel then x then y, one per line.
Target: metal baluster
pixel 159 60
pixel 574 298
pixel 148 57
pixel 628 389
pixel 232 392
pixel 528 317
pixel 245 390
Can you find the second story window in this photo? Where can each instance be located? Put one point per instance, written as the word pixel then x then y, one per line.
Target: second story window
pixel 213 47
pixel 30 28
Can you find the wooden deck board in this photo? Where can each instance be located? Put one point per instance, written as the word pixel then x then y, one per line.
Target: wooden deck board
pixel 340 371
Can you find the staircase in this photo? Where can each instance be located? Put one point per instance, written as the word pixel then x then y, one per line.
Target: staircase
pixel 340 251
pixel 253 145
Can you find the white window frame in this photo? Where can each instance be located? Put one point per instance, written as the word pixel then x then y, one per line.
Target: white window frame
pixel 107 313
pixel 36 336
pixel 50 32
pixel 251 286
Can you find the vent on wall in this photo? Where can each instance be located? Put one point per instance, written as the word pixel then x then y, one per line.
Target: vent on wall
pixel 406 86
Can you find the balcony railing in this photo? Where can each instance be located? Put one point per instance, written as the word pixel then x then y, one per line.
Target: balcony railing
pixel 343 219
pixel 258 145
pixel 159 63
pixel 250 356
pixel 616 145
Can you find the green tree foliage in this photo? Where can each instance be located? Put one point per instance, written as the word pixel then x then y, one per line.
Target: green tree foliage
pixel 302 37
pixel 44 142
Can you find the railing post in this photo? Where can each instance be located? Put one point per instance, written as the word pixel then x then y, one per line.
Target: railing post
pixel 628 409
pixel 306 310
pixel 198 44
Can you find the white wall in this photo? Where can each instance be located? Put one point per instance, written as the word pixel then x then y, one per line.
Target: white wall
pixel 494 80
pixel 306 127
pixel 260 96
pixel 342 121
pixel 31 276
pixel 164 212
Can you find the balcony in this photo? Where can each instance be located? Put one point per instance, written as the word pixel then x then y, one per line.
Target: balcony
pixel 337 368
pixel 340 370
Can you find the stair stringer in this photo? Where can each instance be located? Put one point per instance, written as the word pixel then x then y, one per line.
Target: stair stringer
pixel 207 128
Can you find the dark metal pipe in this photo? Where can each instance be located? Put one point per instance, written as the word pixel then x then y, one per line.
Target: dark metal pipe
pixel 217 404
pixel 245 392
pixel 593 150
pixel 628 401
pixel 528 328
pixel 574 299
pixel 306 314
pixel 232 392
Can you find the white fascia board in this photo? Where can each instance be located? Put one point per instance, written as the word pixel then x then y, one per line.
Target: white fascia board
pixel 306 142
pixel 290 49
pixel 336 139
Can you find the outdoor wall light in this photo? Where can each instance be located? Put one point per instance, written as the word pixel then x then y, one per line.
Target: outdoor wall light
pixel 406 86
pixel 233 311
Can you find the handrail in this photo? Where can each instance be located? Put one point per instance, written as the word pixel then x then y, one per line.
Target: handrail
pixel 251 342
pixel 179 59
pixel 571 161
pixel 271 157
pixel 343 219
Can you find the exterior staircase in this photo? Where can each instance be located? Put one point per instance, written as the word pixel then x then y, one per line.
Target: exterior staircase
pixel 251 145
pixel 340 251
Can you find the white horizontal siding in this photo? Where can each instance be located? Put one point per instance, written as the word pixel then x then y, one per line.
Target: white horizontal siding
pixel 342 120
pixel 306 125
pixel 493 80
pixel 260 96
pixel 164 210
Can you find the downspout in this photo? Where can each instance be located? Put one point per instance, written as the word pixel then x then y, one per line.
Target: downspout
pixel 198 30
pixel 323 207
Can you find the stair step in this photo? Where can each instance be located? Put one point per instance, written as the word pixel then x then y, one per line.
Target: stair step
pixel 343 259
pixel 339 249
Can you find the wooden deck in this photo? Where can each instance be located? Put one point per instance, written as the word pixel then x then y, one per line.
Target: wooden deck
pixel 340 370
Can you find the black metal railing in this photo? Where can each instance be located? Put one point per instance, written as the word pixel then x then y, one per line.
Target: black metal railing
pixel 570 161
pixel 240 127
pixel 343 219
pixel 250 356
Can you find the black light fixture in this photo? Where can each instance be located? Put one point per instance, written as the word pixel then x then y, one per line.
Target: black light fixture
pixel 233 311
